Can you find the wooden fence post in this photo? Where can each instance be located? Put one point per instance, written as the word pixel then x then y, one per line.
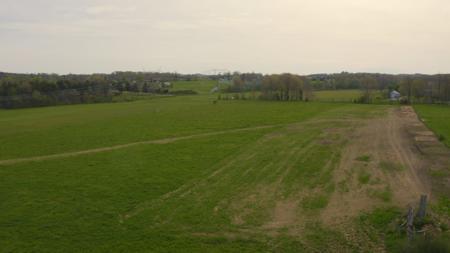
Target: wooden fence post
pixel 422 207
pixel 410 224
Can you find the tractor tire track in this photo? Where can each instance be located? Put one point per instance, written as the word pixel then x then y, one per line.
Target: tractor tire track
pixel 132 144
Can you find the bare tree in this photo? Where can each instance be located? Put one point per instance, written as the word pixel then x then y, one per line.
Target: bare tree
pixel 369 84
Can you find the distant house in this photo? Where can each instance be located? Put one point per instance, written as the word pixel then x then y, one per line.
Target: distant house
pixel 395 95
pixel 224 81
pixel 214 90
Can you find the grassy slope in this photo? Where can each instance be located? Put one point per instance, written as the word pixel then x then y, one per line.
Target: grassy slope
pixel 437 118
pixel 79 203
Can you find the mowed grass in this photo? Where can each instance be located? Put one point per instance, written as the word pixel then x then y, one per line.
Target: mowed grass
pixel 207 194
pixel 437 118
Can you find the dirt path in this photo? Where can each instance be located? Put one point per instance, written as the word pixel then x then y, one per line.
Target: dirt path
pixel 123 146
pixel 381 164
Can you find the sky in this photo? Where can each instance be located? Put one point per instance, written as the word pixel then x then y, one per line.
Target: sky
pixel 200 36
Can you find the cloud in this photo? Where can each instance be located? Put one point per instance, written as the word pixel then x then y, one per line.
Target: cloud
pixel 112 10
pixel 192 35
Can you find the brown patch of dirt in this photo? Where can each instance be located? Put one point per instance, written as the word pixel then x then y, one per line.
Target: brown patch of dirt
pixel 424 133
pixel 242 209
pixel 382 140
pixel 284 214
pixel 425 139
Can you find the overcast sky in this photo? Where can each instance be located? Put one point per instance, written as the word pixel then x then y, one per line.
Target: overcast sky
pixel 196 36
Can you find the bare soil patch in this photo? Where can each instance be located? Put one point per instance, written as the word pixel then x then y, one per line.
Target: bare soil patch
pixel 284 214
pixel 393 170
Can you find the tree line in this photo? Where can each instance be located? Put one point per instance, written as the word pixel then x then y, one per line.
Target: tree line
pixel 414 88
pixel 346 80
pixel 31 90
pixel 425 89
pixel 281 87
pixel 285 87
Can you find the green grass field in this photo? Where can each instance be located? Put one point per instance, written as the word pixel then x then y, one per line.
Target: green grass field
pixel 43 131
pixel 437 118
pixel 200 86
pixel 337 95
pixel 345 96
pixel 237 190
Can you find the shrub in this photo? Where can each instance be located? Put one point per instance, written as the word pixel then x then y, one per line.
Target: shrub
pixel 364 158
